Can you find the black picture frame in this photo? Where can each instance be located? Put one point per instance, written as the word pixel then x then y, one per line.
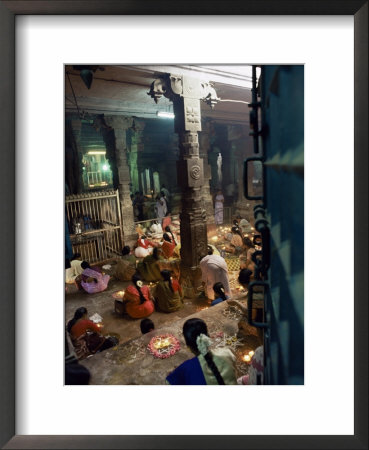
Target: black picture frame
pixel 8 11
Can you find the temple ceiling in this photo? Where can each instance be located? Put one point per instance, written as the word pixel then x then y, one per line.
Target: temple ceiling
pixel 122 90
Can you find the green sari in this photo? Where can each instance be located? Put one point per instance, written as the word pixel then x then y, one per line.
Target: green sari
pixel 167 300
pixel 149 269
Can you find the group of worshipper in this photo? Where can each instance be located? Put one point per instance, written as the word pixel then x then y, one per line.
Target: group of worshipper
pixel 140 302
pixel 215 366
pixel 161 207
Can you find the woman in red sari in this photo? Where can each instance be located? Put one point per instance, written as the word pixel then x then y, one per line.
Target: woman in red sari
pixel 137 299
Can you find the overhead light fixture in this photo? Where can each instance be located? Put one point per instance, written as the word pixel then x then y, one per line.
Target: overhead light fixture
pixel 87 73
pixel 96 152
pixel 167 115
pixel 87 77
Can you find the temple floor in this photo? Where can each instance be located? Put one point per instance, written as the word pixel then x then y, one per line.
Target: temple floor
pixel 123 326
pixel 131 362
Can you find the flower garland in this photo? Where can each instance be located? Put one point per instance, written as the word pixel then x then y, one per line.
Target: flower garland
pixel 164 346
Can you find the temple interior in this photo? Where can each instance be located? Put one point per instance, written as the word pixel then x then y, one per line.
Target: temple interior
pixel 178 178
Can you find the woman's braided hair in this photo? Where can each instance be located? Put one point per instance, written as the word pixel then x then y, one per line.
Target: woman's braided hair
pixel 168 230
pixel 192 329
pixel 166 274
pixel 79 313
pixel 218 288
pixel 135 280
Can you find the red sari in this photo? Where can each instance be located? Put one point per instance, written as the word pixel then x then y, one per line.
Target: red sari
pixel 134 307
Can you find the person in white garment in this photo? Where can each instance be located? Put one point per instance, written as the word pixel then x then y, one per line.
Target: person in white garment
pixel 160 206
pixel 213 270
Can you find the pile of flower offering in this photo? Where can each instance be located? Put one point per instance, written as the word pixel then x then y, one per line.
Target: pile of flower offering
pixel 164 346
pixel 118 295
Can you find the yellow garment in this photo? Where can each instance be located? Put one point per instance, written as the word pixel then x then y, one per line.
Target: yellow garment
pixel 225 361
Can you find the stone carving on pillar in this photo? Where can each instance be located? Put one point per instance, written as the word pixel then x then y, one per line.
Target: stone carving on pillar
pixel 186 93
pixel 120 125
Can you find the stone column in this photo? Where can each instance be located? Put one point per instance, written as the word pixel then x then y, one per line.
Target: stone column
pixel 120 126
pixel 186 93
pixel 76 126
pixel 135 147
pixel 206 195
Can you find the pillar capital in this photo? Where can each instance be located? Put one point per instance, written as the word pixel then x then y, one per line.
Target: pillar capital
pixel 185 93
pixel 119 123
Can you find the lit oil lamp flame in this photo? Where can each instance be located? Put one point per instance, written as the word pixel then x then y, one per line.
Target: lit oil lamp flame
pixel 246 358
pixel 252 353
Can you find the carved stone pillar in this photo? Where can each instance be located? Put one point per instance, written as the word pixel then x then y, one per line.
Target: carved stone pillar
pixel 206 195
pixel 120 126
pixel 136 145
pixel 186 93
pixel 76 126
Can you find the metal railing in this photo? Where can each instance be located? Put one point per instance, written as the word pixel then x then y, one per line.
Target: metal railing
pixel 95 225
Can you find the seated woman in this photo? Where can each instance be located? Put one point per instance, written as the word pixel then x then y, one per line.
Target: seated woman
pixel 137 299
pixel 168 246
pixel 144 247
pixel 86 335
pixel 126 265
pixel 146 326
pixel 245 257
pixel 92 279
pixel 168 293
pixel 208 367
pixel 220 294
pixel 245 226
pixel 236 243
pixel 177 248
pixel 149 268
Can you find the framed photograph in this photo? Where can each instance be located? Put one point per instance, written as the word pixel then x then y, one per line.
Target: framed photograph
pixel 40 43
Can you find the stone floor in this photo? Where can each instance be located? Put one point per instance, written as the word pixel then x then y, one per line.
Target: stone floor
pixel 131 362
pixel 123 326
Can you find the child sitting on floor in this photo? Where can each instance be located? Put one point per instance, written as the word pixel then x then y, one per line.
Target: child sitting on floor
pixel 219 292
pixel 146 326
